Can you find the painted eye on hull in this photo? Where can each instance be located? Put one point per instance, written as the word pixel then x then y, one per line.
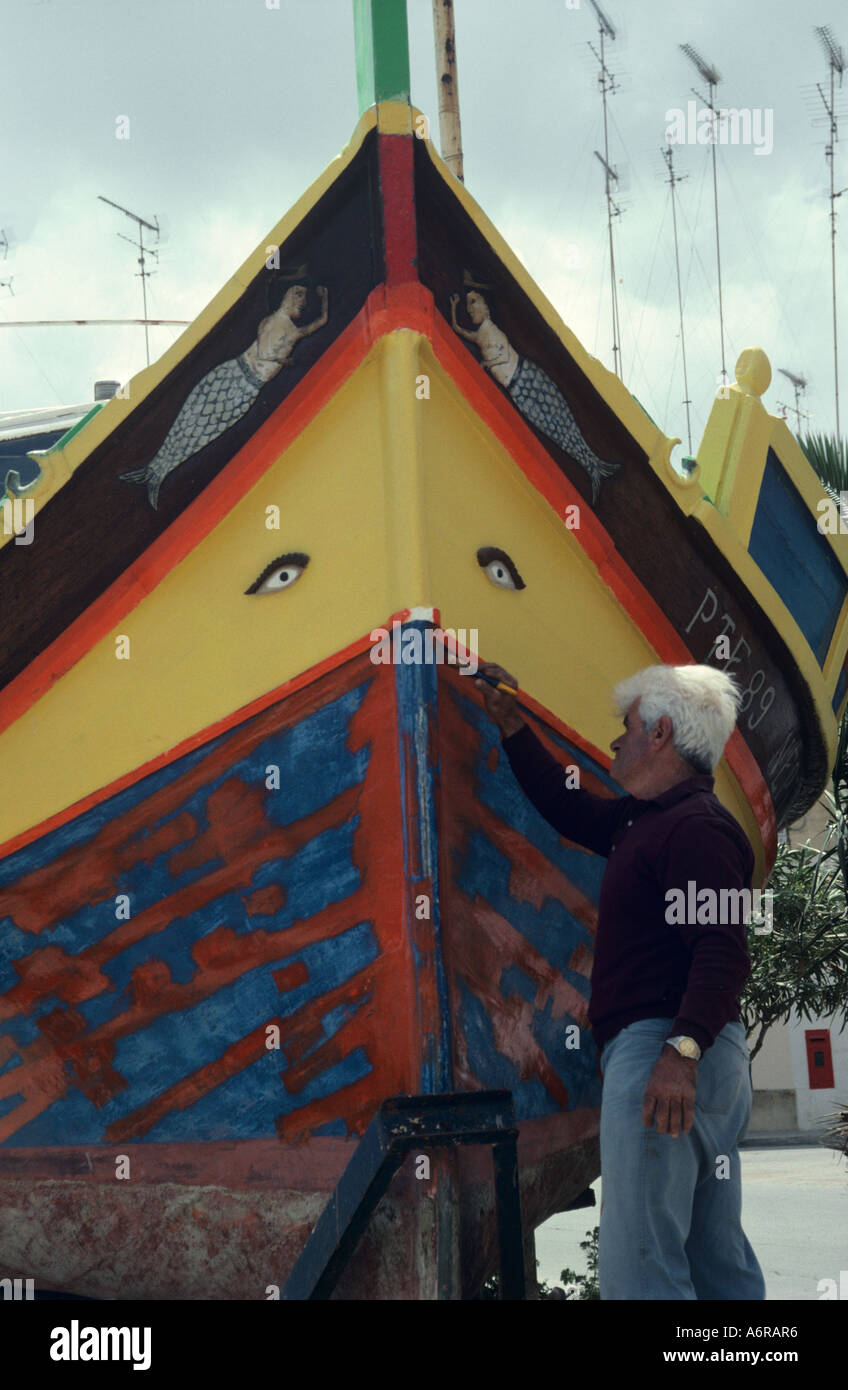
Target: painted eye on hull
pixel 280 574
pixel 499 568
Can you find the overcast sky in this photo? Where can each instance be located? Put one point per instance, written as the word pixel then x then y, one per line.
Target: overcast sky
pixel 235 107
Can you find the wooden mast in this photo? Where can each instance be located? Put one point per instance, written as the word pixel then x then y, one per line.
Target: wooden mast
pixel 450 132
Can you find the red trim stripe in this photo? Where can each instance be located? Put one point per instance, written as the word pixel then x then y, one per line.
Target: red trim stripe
pixel 397 187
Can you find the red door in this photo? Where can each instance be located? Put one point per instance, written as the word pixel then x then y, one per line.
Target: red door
pixel 819 1059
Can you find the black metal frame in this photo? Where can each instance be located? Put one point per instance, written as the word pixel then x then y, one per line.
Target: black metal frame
pixel 403 1123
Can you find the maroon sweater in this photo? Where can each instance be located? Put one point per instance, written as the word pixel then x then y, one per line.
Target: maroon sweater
pixel 644 966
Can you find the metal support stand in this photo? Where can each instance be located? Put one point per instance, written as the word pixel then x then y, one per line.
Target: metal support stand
pixel 413 1122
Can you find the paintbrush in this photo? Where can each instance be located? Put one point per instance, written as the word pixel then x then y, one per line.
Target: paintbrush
pixel 498 685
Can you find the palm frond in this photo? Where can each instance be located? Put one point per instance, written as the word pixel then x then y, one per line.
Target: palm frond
pixel 829 458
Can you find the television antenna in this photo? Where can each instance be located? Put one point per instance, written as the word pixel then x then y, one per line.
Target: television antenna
pixel 90 323
pixel 668 156
pixel 799 386
pixel 836 64
pixel 606 82
pixel 143 251
pixel 709 74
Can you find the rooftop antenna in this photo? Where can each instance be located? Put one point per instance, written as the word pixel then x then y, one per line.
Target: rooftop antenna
pixel 450 130
pixel 668 156
pixel 710 75
pixel 606 82
pixel 836 64
pixel 799 386
pixel 143 251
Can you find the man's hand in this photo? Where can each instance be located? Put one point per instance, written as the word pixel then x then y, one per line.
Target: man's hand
pixel 671 1092
pixel 500 706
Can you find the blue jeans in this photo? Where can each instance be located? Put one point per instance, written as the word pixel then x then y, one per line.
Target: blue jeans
pixel 671 1209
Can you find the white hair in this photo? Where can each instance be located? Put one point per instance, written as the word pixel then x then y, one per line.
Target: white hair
pixel 701 702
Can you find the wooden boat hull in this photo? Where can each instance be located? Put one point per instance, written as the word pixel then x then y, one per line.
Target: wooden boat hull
pixel 342 898
pixel 255 881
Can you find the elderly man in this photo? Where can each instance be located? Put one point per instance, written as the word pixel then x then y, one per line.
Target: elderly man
pixel 663 1011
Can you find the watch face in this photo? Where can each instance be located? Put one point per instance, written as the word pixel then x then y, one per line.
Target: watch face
pixel 689 1047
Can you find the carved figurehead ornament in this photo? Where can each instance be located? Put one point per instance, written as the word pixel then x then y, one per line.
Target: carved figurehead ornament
pixel 229 390
pixel 533 392
pixel 286 277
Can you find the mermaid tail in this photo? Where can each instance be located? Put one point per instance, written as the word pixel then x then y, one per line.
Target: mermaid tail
pixel 598 469
pixel 542 403
pixel 212 407
pixel 151 477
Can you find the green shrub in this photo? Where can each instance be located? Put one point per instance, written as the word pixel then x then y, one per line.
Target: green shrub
pixel 586 1284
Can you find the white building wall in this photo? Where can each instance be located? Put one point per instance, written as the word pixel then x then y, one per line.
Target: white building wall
pixel 814 1106
pixel 781 1064
pixel 772 1069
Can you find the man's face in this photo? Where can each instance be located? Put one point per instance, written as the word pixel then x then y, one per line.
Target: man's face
pixel 630 749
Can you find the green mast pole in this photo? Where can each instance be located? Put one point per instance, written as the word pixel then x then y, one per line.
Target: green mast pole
pixel 382 51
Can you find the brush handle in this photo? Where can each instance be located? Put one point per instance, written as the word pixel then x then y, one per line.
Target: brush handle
pixel 498 685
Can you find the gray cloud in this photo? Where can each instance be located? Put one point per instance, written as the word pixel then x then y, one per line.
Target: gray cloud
pixel 235 108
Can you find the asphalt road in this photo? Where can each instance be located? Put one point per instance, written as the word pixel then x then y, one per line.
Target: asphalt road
pixel 794 1211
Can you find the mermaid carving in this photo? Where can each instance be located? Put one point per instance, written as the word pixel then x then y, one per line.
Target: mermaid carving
pixel 226 393
pixel 537 397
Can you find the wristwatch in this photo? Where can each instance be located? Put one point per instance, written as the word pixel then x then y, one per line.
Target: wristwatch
pixel 687 1047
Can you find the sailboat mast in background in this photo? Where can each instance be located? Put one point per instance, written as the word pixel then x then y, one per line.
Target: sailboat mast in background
pixel 450 130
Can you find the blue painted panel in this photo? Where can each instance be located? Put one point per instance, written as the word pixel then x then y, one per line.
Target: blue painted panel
pixel 416 686
pixel 796 558
pixel 483 871
pixel 529 1095
pixel 153 1052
